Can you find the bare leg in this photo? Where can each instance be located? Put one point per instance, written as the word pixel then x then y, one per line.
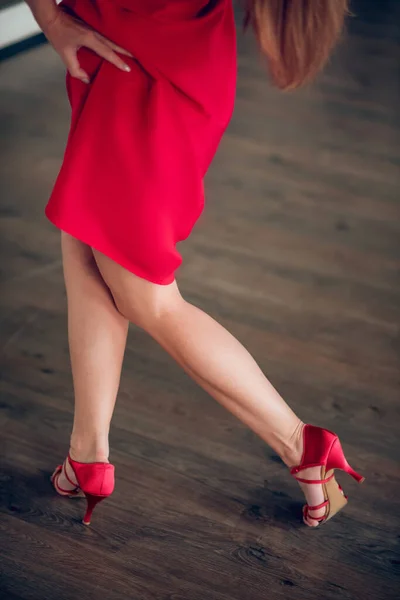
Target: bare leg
pixel 97 335
pixel 213 358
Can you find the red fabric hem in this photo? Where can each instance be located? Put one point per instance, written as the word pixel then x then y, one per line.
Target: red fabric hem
pixel 83 238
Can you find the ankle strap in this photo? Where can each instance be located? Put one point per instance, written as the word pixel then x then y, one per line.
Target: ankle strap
pixel 64 469
pixel 316 481
pixel 301 467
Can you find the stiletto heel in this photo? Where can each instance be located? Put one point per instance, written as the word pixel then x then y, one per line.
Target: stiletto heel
pixel 337 460
pixel 359 478
pixel 348 469
pixel 95 481
pixel 322 449
pixel 92 501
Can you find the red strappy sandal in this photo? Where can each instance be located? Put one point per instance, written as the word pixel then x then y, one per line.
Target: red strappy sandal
pixel 74 492
pixel 322 448
pixel 95 481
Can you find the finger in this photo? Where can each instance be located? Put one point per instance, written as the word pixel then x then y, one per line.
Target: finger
pixel 103 50
pixel 74 68
pixel 114 47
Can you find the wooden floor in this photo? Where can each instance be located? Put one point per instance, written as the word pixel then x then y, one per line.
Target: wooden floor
pixel 298 255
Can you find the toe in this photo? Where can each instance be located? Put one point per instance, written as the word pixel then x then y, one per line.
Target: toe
pixel 311 523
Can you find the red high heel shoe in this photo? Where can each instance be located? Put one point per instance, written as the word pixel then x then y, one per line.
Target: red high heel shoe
pixel 322 448
pixel 95 481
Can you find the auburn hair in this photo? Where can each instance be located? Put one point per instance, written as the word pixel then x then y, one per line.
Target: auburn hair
pixel 296 36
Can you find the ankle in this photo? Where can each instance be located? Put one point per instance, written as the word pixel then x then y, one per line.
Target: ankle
pixel 292 451
pixel 86 449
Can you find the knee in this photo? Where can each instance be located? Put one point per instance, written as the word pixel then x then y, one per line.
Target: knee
pixel 148 311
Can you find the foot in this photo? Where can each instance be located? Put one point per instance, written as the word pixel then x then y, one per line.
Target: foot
pixel 314 493
pixel 65 481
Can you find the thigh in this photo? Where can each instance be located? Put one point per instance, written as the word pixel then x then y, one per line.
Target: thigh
pixel 81 273
pixel 76 254
pixel 136 298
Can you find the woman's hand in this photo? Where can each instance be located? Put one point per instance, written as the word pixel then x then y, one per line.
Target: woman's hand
pixel 67 35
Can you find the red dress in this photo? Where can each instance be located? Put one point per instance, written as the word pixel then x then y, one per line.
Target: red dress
pixel 140 143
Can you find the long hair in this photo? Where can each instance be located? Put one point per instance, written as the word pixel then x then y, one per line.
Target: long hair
pixel 296 36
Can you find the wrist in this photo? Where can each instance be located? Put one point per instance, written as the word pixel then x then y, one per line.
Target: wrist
pixel 45 12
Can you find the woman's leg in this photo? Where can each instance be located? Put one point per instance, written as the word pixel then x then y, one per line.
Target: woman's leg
pixel 213 358
pixel 97 335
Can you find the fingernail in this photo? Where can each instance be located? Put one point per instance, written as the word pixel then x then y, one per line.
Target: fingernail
pixel 85 80
pixel 126 68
